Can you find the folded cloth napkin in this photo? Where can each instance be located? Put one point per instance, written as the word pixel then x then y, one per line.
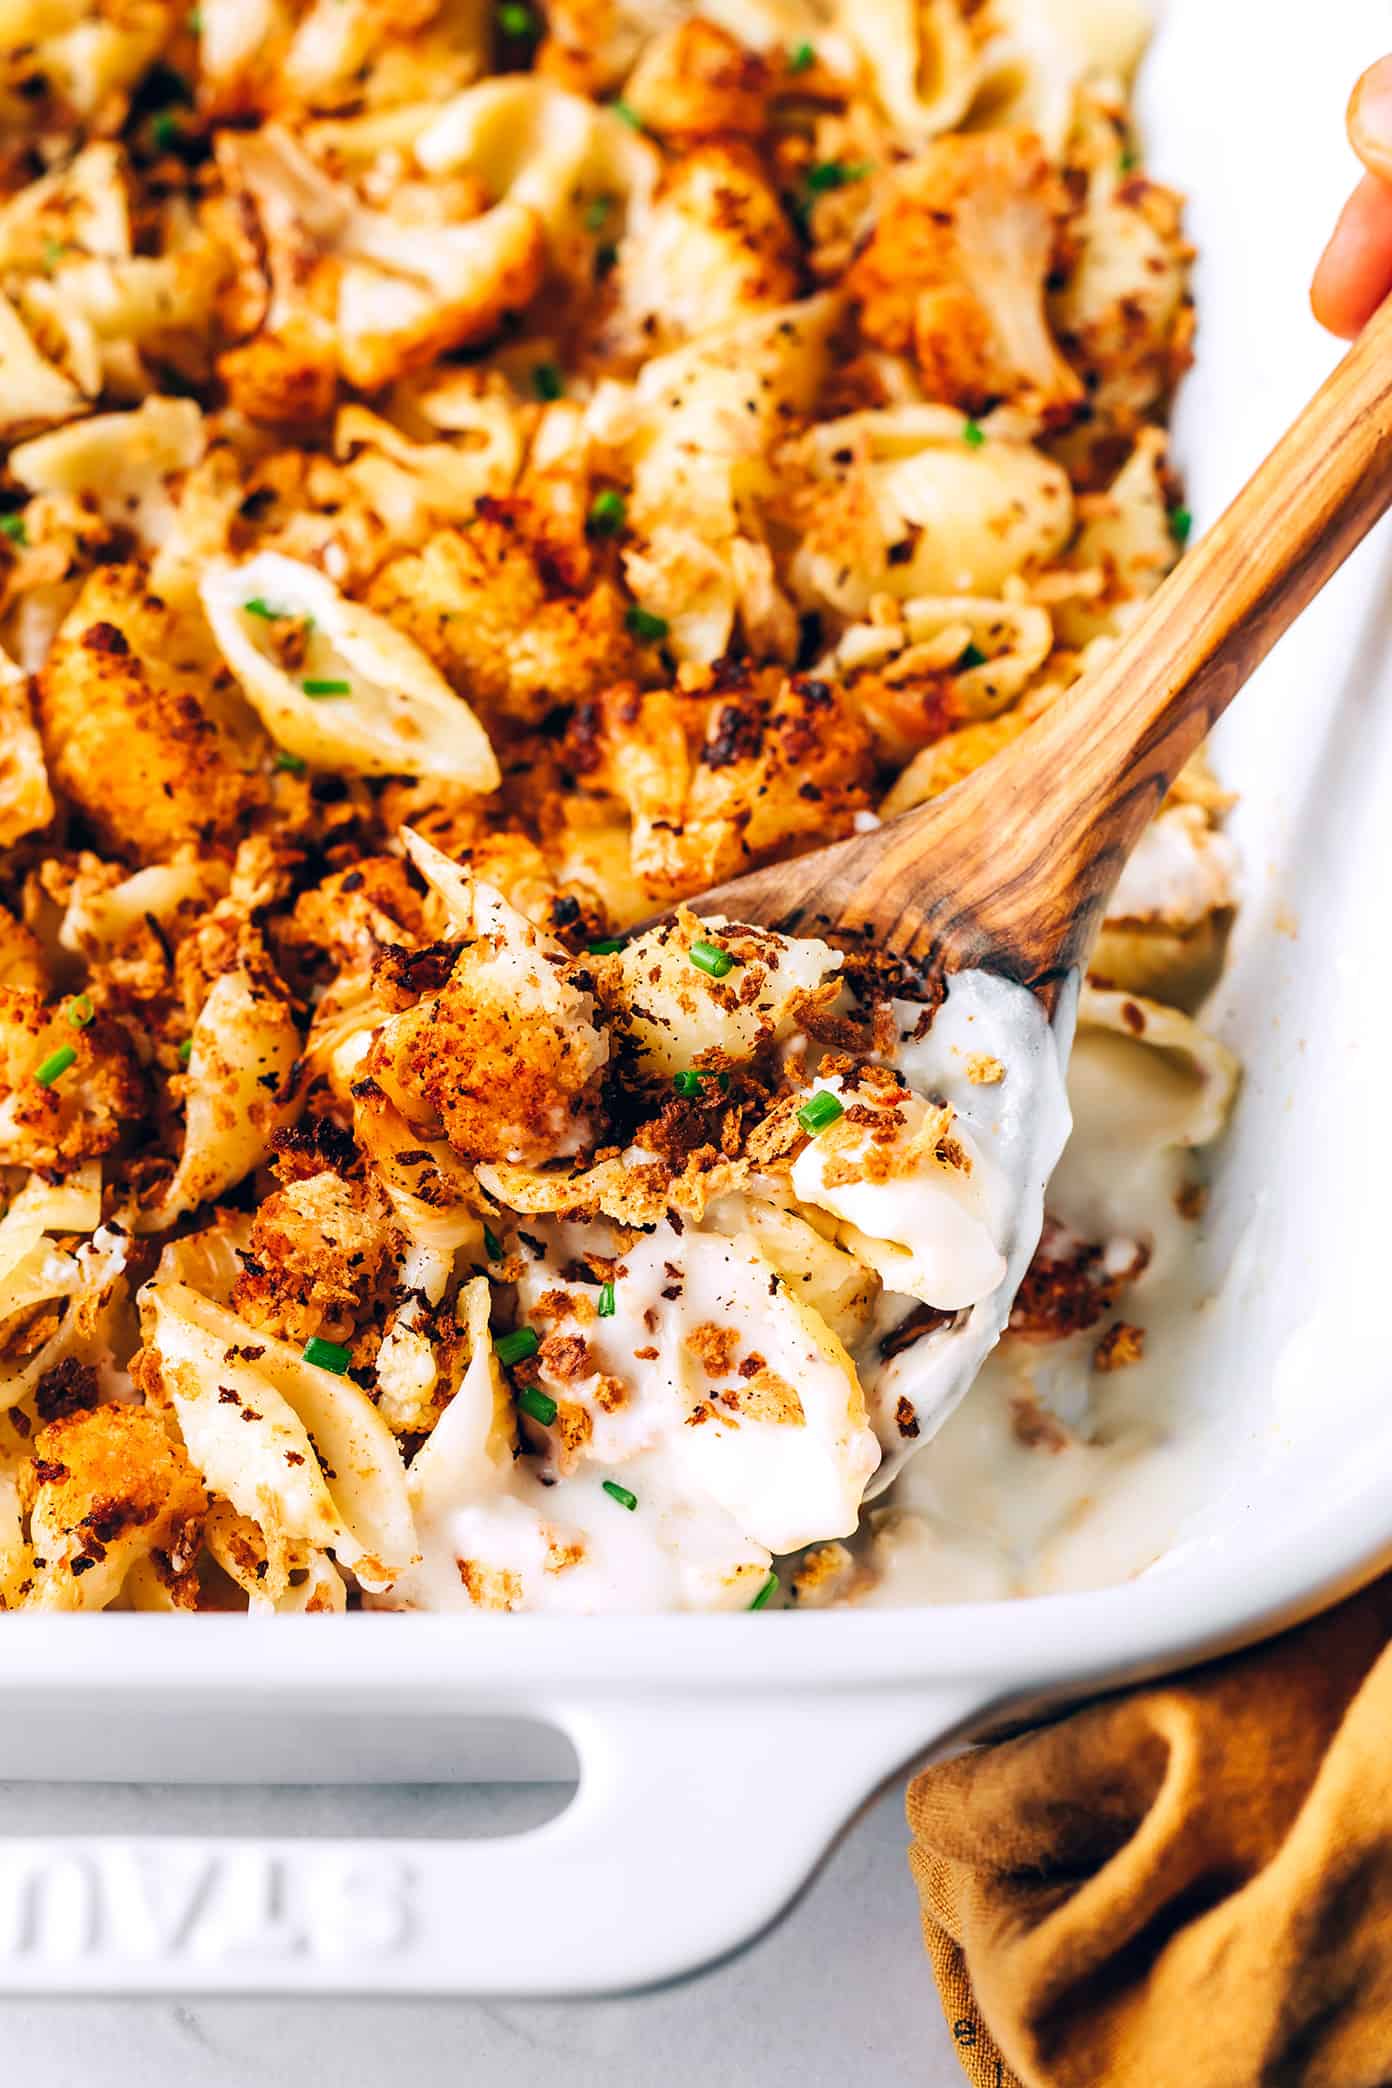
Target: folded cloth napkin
pixel 1189 1886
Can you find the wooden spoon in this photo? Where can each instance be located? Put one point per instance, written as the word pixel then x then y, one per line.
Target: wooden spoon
pixel 1011 869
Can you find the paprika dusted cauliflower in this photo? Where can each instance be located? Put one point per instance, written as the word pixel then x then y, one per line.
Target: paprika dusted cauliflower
pixel 131 726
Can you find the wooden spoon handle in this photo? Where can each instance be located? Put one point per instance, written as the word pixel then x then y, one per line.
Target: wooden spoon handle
pixel 1026 853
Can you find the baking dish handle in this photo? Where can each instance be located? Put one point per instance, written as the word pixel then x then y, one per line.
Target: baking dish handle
pixel 693 1827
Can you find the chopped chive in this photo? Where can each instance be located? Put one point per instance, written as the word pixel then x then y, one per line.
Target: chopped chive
pixel 55 1065
pixel 607 1307
pixel 769 1589
pixel 80 1011
pixel 801 58
pixel 258 606
pixel 1181 522
pixel 711 959
pixel 289 764
pixel 53 252
pixel 492 1245
pixel 13 527
pixel 608 512
pixel 517 1346
pixel 317 687
pixel 1127 159
pixel 165 130
pixel 186 1051
pixel 689 1082
pixel 195 22
pixel 620 1494
pixel 836 174
pixel 973 434
pixel 597 213
pixel 627 115
pixel 608 946
pixel 516 20
pixel 822 1109
pixel 540 1405
pixel 547 381
pixel 972 657
pixel 327 1355
pixel 643 624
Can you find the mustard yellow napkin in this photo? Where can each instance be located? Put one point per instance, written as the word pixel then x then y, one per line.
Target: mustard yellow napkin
pixel 1189 1886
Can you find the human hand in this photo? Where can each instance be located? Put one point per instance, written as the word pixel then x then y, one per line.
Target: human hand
pixel 1355 270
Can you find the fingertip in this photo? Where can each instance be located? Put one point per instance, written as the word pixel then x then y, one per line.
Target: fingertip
pixel 1370 119
pixel 1354 272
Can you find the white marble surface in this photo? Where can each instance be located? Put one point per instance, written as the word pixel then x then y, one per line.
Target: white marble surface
pixel 840 1993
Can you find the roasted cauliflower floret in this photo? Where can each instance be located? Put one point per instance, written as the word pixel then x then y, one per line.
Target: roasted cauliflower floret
pixel 314 1258
pixel 695 80
pixel 501 622
pixel 21 957
pixel 26 802
pixel 90 1091
pixel 357 292
pixel 129 732
pixel 355 913
pixel 954 273
pixel 716 247
pixel 736 769
pixel 505 1053
pixel 104 1488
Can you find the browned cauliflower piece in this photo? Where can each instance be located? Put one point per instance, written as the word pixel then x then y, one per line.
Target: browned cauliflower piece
pixel 695 80
pixel 954 273
pixel 716 247
pixel 21 958
pixel 86 1101
pixel 104 1488
pixel 503 619
pixel 502 1050
pixel 128 731
pixel 738 768
pixel 314 1258
pixel 355 913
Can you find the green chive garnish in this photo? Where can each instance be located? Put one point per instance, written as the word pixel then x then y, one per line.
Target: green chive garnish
pixel 836 174
pixel 973 434
pixel 492 1245
pixel 517 1346
pixel 80 1011
pixel 972 657
pixel 53 252
pixel 620 1494
pixel 327 688
pixel 327 1355
pixel 289 764
pixel 195 22
pixel 608 946
pixel 822 1109
pixel 547 381
pixel 597 213
pixel 608 512
pixel 607 1307
pixel 1127 159
pixel 689 1082
pixel 55 1065
pixel 538 1404
pixel 13 527
pixel 165 130
pixel 186 1051
pixel 257 606
pixel 516 20
pixel 643 624
pixel 627 115
pixel 801 58
pixel 769 1589
pixel 1181 522
pixel 710 958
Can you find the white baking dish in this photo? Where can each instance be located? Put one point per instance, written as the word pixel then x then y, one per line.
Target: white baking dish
pixel 719 1756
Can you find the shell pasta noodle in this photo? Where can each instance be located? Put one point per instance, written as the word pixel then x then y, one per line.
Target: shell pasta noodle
pixel 470 479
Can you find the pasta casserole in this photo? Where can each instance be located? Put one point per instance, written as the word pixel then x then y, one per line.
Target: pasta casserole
pixel 472 480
